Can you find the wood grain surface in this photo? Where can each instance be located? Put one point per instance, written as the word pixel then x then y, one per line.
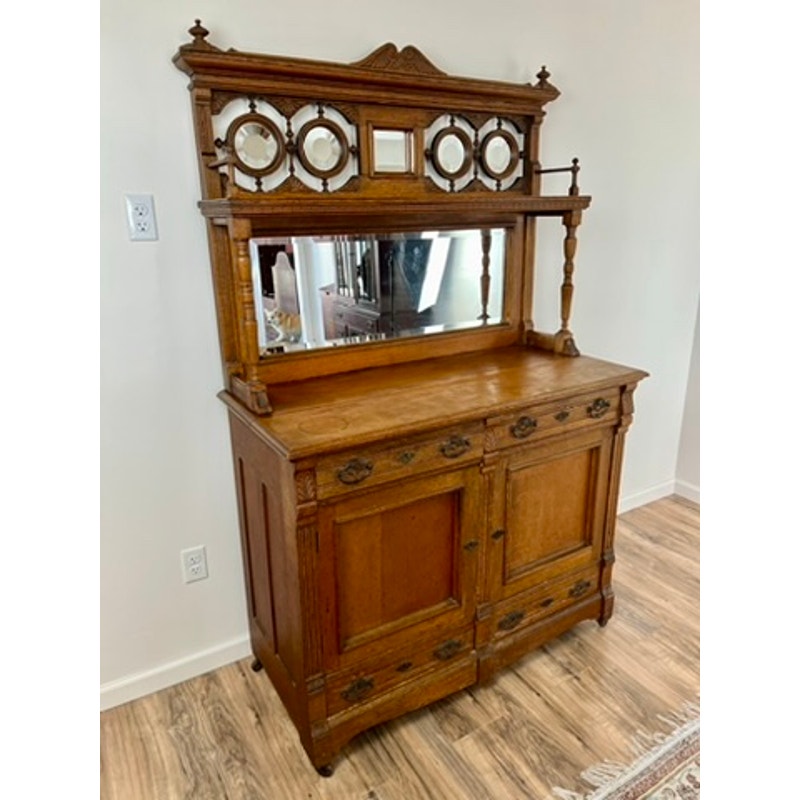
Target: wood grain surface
pixel 577 701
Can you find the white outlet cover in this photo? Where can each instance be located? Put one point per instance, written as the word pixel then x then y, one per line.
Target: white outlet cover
pixel 193 564
pixel 141 215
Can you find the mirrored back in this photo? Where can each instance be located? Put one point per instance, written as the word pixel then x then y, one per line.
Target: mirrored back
pixel 335 290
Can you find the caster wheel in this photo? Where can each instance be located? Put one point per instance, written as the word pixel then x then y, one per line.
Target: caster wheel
pixel 256 666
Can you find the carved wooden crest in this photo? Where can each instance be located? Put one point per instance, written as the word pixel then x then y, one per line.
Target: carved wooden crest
pixel 409 59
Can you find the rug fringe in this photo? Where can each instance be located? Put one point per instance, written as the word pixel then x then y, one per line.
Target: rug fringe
pixel 644 746
pixel 643 742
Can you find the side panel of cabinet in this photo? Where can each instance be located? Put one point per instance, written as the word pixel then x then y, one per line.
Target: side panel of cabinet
pixel 399 565
pixel 264 487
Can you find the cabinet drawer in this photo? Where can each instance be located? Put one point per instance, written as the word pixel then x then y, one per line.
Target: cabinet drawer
pixel 372 466
pixel 365 682
pixel 528 607
pixel 575 413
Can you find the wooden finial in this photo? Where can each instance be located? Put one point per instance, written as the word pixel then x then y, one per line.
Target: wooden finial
pixel 198 32
pixel 543 75
pixel 198 42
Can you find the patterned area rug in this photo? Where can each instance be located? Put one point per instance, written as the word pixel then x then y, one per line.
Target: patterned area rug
pixel 669 770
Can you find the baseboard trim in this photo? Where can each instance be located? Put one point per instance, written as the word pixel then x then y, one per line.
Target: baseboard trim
pixel 688 490
pixel 132 687
pixel 631 501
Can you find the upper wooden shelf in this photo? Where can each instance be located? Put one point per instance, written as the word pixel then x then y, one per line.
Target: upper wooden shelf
pixel 337 211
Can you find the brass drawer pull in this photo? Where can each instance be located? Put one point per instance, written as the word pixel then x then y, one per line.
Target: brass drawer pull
pixel 562 416
pixel 498 535
pixel 454 447
pixel 355 471
pixel 448 649
pixel 523 427
pixel 579 588
pixel 407 457
pixel 358 689
pixel 471 546
pixel 598 408
pixel 405 666
pixel 511 620
pixel 547 602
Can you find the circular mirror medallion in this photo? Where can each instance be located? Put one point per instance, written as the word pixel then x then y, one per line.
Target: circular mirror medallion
pixel 257 148
pixel 256 144
pixel 499 154
pixel 451 152
pixel 322 148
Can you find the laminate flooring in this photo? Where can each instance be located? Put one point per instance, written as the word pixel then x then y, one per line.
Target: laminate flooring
pixel 580 700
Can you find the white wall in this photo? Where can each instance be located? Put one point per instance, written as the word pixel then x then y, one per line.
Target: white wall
pixel 687 474
pixel 628 72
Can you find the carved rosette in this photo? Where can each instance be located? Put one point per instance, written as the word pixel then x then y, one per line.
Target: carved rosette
pixel 490 439
pixel 305 486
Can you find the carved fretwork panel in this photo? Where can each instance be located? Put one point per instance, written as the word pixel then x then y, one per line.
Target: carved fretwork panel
pixel 262 144
pixel 277 118
pixel 464 157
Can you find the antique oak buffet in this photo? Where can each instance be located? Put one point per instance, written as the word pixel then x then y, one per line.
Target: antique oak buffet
pixel 427 484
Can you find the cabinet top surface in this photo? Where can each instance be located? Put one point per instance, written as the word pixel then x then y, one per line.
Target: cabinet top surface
pixel 332 413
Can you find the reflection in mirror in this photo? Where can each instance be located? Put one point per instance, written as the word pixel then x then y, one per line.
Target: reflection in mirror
pixel 322 148
pixel 499 154
pixel 451 153
pixel 257 146
pixel 392 150
pixel 331 291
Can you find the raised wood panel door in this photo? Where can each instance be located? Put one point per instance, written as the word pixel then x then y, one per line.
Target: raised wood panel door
pixel 549 511
pixel 399 565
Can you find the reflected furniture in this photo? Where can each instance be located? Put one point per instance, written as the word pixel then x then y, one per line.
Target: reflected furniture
pixel 428 490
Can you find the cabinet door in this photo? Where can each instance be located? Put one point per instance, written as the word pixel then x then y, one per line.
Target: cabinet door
pixel 399 564
pixel 548 511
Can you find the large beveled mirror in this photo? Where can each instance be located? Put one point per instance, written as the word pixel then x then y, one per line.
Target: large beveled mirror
pixel 331 291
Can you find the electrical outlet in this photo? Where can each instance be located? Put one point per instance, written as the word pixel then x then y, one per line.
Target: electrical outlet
pixel 193 561
pixel 141 215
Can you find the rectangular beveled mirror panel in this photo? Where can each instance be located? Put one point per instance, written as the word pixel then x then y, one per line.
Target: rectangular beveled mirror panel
pixel 330 291
pixel 392 151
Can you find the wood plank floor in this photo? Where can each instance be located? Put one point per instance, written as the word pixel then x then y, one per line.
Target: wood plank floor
pixel 578 701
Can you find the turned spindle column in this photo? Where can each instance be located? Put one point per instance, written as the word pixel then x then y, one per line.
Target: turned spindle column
pixel 486 246
pixel 564 340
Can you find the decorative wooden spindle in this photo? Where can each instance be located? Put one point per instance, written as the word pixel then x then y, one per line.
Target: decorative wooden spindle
pixel 574 191
pixel 564 340
pixel 486 246
pixel 247 307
